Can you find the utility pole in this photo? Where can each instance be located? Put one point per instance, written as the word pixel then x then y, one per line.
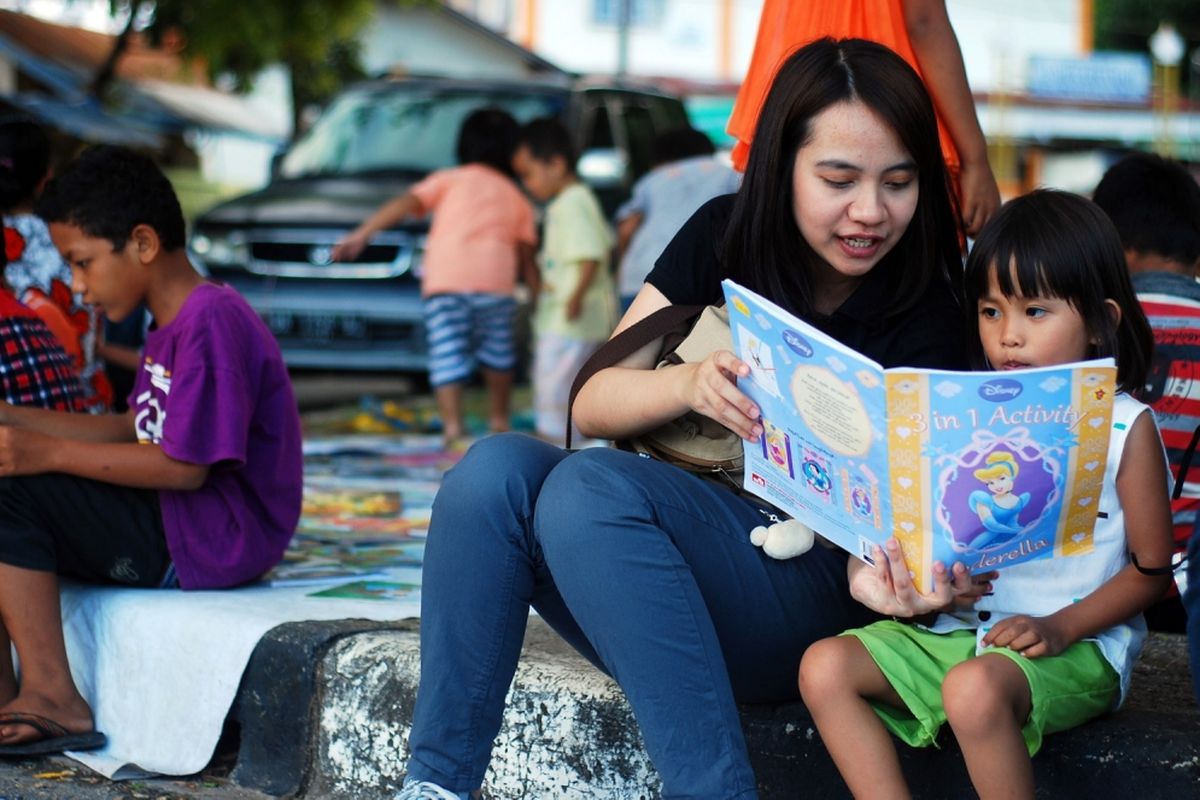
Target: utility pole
pixel 623 14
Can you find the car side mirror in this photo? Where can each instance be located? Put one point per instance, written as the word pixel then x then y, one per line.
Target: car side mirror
pixel 604 167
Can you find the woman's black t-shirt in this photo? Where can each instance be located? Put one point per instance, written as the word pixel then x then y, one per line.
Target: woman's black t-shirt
pixel 929 334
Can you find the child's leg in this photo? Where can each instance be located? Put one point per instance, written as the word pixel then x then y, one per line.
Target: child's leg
pixel 987 701
pixel 89 530
pixel 837 679
pixel 8 677
pixel 493 321
pixel 499 387
pixel 30 612
pixel 449 401
pixel 448 333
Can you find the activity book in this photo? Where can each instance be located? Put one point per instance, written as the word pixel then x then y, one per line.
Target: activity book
pixel 987 468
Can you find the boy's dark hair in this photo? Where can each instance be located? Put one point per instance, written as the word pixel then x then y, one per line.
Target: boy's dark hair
pixel 547 137
pixel 1062 245
pixel 24 160
pixel 763 247
pixel 680 143
pixel 1155 204
pixel 488 136
pixel 107 191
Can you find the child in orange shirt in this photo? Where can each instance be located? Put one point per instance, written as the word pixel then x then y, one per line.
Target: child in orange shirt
pixel 482 232
pixel 919 32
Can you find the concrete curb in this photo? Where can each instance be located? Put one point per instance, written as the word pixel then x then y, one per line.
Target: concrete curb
pixel 325 710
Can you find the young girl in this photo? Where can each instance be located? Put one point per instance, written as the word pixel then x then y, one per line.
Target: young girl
pixel 482 234
pixel 35 272
pixel 1054 645
pixel 844 217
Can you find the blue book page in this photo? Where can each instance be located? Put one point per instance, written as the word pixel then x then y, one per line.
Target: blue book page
pixel 999 468
pixel 987 468
pixel 823 456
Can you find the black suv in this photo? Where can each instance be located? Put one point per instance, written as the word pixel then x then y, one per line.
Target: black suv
pixel 372 142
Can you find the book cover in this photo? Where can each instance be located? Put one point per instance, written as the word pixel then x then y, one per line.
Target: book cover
pixel 987 468
pixel 368 590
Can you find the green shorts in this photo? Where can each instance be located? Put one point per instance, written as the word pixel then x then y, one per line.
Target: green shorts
pixel 1067 689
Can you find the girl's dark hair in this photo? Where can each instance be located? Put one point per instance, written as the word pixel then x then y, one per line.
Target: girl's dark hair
pixel 764 249
pixel 24 160
pixel 488 136
pixel 1057 244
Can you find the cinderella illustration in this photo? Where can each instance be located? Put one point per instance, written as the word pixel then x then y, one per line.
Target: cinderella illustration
pixel 997 507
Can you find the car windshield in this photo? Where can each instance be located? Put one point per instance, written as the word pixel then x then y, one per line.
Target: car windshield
pixel 401 129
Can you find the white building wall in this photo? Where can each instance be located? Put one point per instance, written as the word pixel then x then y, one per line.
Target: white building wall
pixel 419 39
pixel 997 38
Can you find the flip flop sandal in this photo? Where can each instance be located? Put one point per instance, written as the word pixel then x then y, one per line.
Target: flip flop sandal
pixel 54 738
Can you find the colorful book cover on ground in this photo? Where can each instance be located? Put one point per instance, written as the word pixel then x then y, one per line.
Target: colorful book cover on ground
pixel 987 468
pixel 368 590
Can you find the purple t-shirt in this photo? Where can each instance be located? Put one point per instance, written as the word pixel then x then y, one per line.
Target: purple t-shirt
pixel 213 390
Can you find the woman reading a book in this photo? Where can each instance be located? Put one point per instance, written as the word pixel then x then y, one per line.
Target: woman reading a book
pixel 844 218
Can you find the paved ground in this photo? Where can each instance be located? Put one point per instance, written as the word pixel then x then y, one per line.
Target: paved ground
pixel 64 779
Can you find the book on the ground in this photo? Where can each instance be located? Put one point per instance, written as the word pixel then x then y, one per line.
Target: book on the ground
pixel 315 572
pixel 987 468
pixel 368 590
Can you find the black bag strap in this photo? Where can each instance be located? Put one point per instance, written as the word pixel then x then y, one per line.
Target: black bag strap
pixel 626 343
pixel 1185 464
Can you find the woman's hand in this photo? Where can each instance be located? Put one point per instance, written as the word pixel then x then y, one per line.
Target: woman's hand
pixel 887 586
pixel 711 390
pixel 1032 637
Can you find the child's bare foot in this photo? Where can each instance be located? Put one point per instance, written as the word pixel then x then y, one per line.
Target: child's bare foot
pixel 74 714
pixel 499 425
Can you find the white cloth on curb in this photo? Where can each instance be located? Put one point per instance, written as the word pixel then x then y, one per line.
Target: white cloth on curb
pixel 161 668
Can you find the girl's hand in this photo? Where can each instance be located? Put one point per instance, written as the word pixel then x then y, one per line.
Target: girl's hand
pixel 349 247
pixel 711 390
pixel 980 197
pixel 887 587
pixel 1032 637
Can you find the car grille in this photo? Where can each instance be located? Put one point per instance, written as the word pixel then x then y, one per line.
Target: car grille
pixel 306 254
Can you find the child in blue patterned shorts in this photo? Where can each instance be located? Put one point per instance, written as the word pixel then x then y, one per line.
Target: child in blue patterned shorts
pixel 1054 644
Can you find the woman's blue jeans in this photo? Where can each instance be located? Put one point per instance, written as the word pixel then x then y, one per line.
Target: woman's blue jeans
pixel 646 570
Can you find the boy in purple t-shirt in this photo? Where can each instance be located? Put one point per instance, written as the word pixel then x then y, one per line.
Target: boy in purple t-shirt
pixel 197 486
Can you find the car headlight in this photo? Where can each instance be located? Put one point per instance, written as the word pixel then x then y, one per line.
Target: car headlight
pixel 228 249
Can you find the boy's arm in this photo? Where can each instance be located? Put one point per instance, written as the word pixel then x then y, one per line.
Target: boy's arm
pixel 587 273
pixel 528 269
pixel 1142 493
pixel 25 451
pixel 936 48
pixel 387 215
pixel 626 228
pixel 62 425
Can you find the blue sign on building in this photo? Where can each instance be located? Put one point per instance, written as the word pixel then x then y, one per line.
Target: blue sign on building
pixel 1097 78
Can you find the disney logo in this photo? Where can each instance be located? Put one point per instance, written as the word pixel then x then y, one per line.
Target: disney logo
pixel 1000 389
pixel 797 343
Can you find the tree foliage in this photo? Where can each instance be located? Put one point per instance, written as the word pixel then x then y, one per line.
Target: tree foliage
pixel 316 39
